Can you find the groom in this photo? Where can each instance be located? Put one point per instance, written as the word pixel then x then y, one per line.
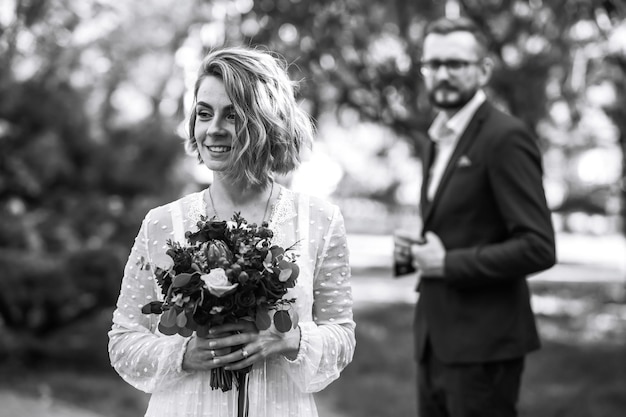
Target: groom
pixel 486 227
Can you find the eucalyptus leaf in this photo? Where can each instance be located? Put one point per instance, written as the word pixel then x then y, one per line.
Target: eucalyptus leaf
pixel 168 319
pixel 181 319
pixel 277 251
pixel 191 323
pixel 168 331
pixel 284 264
pixel 185 332
pixel 181 280
pixel 295 271
pixel 153 307
pixel 282 321
pixel 285 274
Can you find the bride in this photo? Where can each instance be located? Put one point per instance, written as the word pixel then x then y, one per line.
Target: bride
pixel 245 126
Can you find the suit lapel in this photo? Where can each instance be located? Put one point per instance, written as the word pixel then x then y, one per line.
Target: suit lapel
pixel 466 139
pixel 429 157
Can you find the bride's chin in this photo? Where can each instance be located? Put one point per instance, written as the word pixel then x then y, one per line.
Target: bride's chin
pixel 215 164
pixel 209 155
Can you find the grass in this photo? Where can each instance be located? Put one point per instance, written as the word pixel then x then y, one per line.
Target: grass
pixel 72 367
pixel 579 372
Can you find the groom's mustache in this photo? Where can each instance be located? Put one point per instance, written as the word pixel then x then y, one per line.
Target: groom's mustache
pixel 446 85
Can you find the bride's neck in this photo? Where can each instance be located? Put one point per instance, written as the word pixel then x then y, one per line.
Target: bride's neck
pixel 229 193
pixel 254 204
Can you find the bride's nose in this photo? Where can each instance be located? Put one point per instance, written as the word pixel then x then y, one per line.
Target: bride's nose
pixel 215 128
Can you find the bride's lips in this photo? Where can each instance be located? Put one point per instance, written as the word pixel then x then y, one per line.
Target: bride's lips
pixel 219 148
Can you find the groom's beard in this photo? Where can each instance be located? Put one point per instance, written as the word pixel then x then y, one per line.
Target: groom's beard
pixel 448 97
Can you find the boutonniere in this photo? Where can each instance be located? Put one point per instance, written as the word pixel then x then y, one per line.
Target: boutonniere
pixel 464 162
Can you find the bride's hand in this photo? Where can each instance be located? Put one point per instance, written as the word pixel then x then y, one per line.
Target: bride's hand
pixel 200 354
pixel 253 345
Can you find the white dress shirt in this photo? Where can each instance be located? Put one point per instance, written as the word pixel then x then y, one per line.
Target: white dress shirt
pixel 446 133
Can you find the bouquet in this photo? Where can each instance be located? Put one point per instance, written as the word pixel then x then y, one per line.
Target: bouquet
pixel 228 271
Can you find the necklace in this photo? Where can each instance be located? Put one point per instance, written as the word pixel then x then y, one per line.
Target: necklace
pixel 267 205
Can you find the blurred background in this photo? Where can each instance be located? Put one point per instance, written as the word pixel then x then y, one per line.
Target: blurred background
pixel 93 95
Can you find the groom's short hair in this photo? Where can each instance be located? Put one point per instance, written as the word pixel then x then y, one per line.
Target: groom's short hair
pixel 445 25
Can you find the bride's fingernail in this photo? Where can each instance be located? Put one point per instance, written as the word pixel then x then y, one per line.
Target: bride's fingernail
pixel 212 344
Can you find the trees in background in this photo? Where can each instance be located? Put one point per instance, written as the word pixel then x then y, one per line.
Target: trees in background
pixel 78 168
pixel 360 60
pixel 93 92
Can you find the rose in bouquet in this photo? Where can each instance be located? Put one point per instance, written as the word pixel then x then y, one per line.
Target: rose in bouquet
pixel 227 271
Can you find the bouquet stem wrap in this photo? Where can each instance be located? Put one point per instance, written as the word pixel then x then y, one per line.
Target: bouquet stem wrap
pixel 243 404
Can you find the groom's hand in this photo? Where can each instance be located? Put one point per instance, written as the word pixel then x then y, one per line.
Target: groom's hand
pixel 429 256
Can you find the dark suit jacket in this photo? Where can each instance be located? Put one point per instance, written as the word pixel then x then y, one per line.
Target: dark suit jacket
pixel 491 215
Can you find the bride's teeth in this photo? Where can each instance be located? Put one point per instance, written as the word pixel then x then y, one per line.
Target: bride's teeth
pixel 219 148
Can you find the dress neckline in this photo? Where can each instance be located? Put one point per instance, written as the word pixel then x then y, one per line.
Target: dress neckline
pixel 274 210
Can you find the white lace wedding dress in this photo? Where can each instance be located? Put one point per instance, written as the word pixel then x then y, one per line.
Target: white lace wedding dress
pixel 278 387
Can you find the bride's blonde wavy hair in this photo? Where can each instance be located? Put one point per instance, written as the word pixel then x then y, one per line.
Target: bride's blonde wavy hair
pixel 272 129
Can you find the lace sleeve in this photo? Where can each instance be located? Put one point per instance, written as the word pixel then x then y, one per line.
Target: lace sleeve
pixel 139 355
pixel 327 344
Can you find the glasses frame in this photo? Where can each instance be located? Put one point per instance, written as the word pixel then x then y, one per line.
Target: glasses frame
pixel 452 66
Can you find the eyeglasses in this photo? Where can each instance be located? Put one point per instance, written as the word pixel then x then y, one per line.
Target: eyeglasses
pixel 453 66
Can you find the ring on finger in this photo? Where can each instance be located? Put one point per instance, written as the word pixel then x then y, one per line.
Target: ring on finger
pixel 213 355
pixel 244 353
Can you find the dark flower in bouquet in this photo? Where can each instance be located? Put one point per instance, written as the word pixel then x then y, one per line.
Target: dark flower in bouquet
pixel 228 271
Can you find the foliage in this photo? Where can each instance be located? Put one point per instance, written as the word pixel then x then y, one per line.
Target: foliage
pixel 42 294
pixel 612 69
pixel 74 182
pixel 362 57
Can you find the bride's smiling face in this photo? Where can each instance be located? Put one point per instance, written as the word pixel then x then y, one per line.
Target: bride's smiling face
pixel 215 124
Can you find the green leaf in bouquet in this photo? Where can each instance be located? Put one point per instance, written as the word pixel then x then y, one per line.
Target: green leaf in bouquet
pixel 168 319
pixel 276 251
pixel 284 275
pixel 267 262
pixel 288 271
pixel 181 280
pixel 262 320
pixel 181 319
pixel 168 331
pixel 295 271
pixel 185 332
pixel 282 321
pixel 153 307
pixel 191 323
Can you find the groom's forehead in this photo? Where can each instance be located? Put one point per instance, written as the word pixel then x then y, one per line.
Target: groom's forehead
pixel 458 44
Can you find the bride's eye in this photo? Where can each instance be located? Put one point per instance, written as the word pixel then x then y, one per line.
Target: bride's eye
pixel 231 117
pixel 204 114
